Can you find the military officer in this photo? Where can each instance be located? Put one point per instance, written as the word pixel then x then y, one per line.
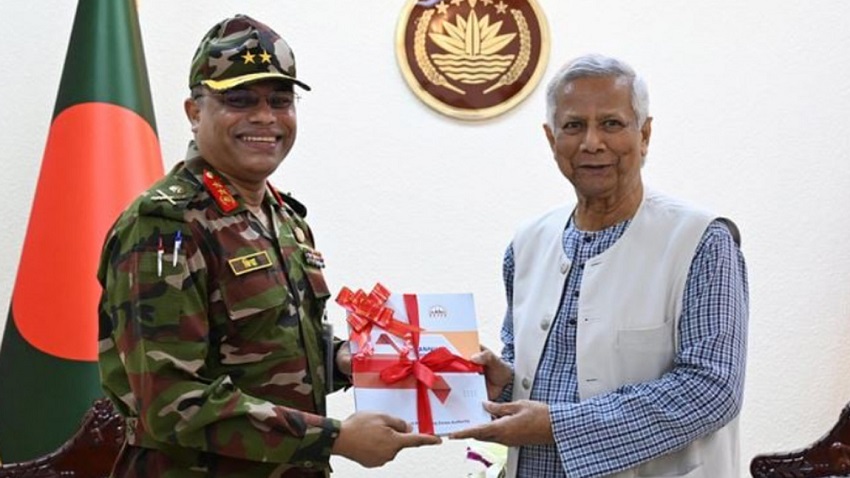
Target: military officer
pixel 211 336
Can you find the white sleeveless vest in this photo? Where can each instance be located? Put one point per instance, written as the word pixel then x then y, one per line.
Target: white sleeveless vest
pixel 625 334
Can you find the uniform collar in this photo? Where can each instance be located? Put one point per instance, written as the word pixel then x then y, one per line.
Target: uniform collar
pixel 226 197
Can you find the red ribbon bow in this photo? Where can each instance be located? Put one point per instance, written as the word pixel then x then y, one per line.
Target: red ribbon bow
pixel 366 311
pixel 437 360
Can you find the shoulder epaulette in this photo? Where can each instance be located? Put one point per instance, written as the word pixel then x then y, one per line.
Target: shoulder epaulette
pixel 288 200
pixel 170 190
pixel 296 205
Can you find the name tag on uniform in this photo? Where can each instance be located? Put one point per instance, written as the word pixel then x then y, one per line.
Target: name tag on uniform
pixel 250 263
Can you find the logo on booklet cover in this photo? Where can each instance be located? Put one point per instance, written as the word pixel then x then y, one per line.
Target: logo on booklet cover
pixel 438 312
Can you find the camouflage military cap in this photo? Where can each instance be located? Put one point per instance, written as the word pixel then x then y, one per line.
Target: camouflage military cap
pixel 240 50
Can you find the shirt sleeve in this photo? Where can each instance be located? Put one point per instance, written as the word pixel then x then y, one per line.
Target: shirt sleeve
pixel 702 393
pixel 154 358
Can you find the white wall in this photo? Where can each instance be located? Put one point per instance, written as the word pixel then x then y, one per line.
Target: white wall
pixel 750 101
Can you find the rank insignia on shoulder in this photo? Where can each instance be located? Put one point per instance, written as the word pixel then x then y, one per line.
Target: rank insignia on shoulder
pixel 219 191
pixel 250 263
pixel 315 259
pixel 162 196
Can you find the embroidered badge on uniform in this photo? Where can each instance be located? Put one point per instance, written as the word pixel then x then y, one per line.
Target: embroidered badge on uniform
pixel 219 192
pixel 171 198
pixel 251 262
pixel 315 259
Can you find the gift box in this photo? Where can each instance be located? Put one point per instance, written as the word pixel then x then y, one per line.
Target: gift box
pixel 410 358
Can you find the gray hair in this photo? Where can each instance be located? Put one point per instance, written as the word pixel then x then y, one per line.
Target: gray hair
pixel 598 66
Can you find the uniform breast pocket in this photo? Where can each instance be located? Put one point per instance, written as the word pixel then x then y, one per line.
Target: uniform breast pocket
pixel 647 353
pixel 262 317
pixel 253 293
pixel 159 285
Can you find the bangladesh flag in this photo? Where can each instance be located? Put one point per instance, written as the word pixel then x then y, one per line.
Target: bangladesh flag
pixel 102 151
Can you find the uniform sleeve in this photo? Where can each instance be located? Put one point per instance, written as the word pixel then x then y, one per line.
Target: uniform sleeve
pixel 157 315
pixel 702 393
pixel 507 334
pixel 340 380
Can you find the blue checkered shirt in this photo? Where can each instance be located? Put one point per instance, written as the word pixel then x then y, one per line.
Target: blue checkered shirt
pixel 618 430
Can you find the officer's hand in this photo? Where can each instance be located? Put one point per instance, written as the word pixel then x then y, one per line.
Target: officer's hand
pixel 497 372
pixel 524 422
pixel 372 439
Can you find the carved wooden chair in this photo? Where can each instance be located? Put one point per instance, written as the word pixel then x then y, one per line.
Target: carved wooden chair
pixel 90 453
pixel 828 457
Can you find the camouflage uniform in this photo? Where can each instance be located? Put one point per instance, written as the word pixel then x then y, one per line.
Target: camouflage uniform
pixel 217 362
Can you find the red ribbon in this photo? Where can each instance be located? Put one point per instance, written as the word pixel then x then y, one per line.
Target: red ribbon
pixel 424 371
pixel 366 311
pixel 437 360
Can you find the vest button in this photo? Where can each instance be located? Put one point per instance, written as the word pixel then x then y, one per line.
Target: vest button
pixel 564 267
pixel 526 383
pixel 544 324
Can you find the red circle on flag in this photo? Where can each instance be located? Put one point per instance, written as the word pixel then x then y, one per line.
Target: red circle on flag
pixel 98 158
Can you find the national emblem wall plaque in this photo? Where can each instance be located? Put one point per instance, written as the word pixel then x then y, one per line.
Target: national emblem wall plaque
pixel 472 59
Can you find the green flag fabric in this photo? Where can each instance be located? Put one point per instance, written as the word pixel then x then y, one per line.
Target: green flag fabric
pixel 102 151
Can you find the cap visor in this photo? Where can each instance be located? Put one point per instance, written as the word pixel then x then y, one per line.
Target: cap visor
pixel 229 83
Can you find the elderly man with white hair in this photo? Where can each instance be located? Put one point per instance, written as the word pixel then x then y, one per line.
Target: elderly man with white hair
pixel 626 326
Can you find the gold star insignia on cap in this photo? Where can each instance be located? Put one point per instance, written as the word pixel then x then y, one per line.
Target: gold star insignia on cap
pixel 248 57
pixel 501 7
pixel 265 57
pixel 442 8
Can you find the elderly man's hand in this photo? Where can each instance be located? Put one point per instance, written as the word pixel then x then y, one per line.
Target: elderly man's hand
pixel 497 372
pixel 524 422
